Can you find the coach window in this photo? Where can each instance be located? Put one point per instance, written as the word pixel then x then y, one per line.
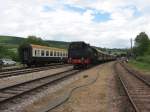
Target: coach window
pixel 60 53
pixel 57 53
pixel 38 52
pixel 54 53
pixel 63 53
pixel 51 53
pixel 47 53
pixel 35 53
pixel 42 53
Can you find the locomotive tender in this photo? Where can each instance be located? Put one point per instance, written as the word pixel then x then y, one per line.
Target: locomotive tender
pixel 31 54
pixel 81 54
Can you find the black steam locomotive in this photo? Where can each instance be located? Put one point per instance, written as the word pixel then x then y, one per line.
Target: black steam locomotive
pixel 81 54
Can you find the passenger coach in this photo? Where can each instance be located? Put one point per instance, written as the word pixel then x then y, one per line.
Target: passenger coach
pixel 31 54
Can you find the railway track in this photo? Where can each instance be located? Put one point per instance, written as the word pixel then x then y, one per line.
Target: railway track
pixel 137 88
pixel 28 70
pixel 15 91
pixel 12 69
pixel 21 68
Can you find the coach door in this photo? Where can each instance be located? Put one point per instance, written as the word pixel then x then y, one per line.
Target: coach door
pixel 26 53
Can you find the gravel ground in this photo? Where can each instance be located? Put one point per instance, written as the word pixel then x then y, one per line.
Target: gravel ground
pixel 22 104
pixel 80 79
pixel 8 81
pixel 101 96
pixel 104 95
pixel 116 94
pixel 10 67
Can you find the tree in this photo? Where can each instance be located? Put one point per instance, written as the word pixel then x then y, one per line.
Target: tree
pixel 31 40
pixel 7 53
pixel 141 44
pixel 34 40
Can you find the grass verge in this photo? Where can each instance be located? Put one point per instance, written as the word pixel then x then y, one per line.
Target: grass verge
pixel 144 66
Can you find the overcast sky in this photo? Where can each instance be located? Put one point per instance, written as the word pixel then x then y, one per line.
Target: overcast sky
pixel 104 23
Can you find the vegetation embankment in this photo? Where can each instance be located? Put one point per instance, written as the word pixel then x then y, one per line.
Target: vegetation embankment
pixel 141 52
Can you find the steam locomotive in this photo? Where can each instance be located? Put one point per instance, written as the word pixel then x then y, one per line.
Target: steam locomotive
pixel 81 54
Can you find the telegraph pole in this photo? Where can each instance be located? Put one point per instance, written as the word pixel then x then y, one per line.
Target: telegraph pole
pixel 131 47
pixel 131 42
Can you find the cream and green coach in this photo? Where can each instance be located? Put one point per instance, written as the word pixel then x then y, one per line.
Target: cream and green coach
pixel 32 54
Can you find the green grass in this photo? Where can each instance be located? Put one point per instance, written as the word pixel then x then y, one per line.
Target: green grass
pixel 144 59
pixel 144 66
pixel 9 45
pixel 11 40
pixel 58 44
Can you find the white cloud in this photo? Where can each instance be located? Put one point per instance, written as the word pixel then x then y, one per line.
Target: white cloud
pixel 23 18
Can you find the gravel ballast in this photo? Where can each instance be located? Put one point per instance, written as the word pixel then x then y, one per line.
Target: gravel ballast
pixel 100 96
pixel 9 81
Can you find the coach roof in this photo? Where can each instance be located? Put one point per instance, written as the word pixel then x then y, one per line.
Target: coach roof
pixel 46 47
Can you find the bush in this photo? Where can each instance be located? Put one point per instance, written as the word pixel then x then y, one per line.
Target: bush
pixel 34 40
pixel 6 52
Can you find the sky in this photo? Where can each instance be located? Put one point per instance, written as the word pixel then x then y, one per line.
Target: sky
pixel 102 23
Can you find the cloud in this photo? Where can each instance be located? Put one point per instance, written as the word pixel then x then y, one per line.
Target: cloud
pixel 102 23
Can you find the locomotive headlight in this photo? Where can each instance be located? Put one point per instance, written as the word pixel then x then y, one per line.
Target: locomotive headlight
pixel 82 58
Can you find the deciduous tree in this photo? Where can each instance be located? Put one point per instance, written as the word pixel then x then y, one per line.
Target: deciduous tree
pixel 141 44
